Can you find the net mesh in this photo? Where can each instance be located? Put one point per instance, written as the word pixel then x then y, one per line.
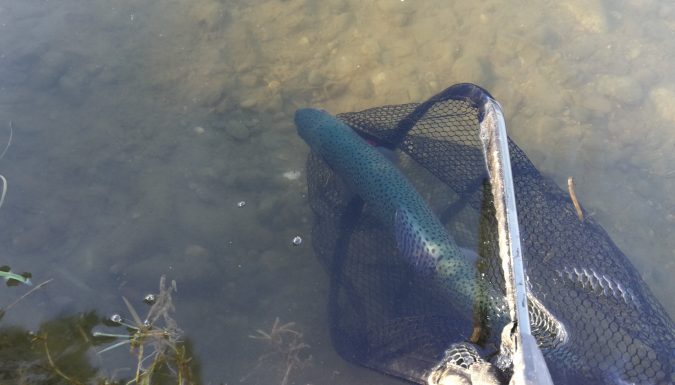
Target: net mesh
pixel 385 317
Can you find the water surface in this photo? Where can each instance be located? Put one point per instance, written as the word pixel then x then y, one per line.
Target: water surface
pixel 139 126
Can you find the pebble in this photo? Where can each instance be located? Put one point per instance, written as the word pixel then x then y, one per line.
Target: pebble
pixel 208 14
pixel 590 15
pixel 315 78
pixel 237 130
pixel 623 89
pixel 292 174
pixel 664 101
pixel 468 68
pixel 598 103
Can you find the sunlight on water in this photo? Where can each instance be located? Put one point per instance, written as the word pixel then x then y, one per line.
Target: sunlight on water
pixel 156 138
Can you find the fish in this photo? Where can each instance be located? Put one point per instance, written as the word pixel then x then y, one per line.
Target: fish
pixel 420 237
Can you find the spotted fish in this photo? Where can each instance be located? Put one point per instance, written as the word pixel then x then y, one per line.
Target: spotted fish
pixel 420 237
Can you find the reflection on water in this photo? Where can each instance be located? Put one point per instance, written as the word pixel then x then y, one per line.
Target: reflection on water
pixel 138 127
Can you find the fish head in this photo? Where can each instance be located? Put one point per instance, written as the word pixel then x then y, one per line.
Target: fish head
pixel 316 127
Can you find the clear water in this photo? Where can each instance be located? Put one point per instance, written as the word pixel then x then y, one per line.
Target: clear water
pixel 138 127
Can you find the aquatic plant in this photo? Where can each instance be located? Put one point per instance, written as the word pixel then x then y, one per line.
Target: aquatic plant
pixel 13 279
pixel 155 340
pixel 56 353
pixel 4 189
pixel 4 310
pixel 2 154
pixel 286 348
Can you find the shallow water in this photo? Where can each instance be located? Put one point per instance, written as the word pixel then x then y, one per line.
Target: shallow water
pixel 139 126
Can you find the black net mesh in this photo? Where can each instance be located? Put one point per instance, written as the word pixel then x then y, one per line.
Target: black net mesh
pixel 385 317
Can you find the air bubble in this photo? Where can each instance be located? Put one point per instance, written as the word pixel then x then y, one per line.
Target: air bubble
pixel 150 299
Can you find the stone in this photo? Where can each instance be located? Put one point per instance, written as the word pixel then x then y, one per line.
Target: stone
pixel 590 15
pixel 237 130
pixel 663 99
pixel 208 14
pixel 315 78
pixel 623 89
pixel 469 69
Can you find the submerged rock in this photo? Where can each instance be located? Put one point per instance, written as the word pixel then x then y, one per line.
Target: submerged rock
pixel 237 129
pixel 664 101
pixel 623 89
pixel 589 14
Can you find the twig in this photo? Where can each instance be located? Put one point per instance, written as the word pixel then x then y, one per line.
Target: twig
pixel 2 178
pixel 284 381
pixel 9 141
pixel 29 292
pixel 577 207
pixel 139 368
pixel 4 190
pixel 134 315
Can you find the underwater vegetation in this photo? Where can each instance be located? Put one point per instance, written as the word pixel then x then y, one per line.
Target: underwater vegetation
pixel 61 350
pixel 3 180
pixel 287 351
pixel 3 190
pixel 55 354
pixel 13 279
pixel 154 341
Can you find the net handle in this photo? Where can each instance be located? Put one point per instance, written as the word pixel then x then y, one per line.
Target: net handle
pixel 529 365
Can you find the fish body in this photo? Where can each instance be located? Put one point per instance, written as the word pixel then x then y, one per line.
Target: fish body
pixel 420 237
